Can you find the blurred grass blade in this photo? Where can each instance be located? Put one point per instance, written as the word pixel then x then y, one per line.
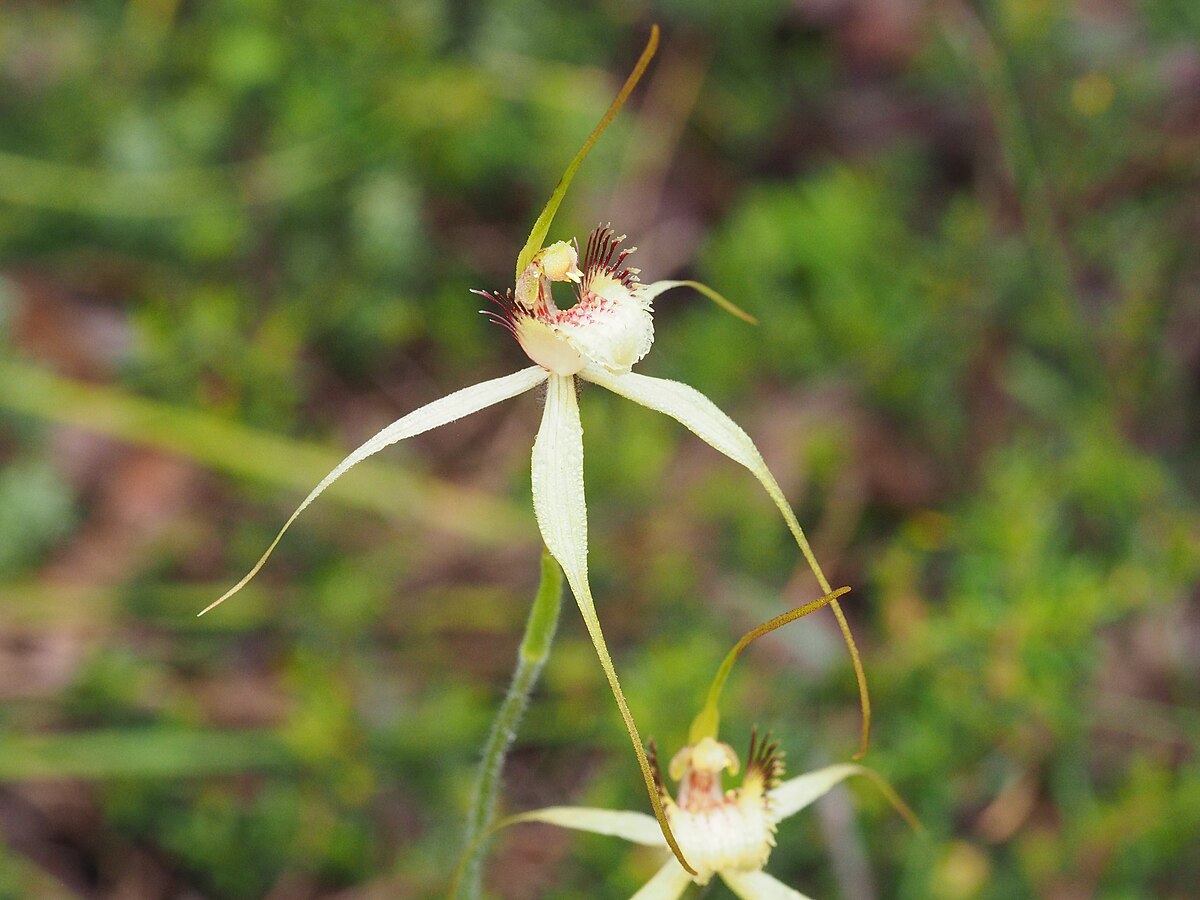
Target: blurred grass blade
pixel 239 450
pixel 138 753
pixel 542 226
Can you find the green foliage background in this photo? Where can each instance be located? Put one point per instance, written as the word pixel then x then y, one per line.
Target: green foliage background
pixel 236 238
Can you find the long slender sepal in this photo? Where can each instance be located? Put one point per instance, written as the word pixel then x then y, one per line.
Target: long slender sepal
pixel 759 886
pixel 542 226
pixel 558 502
pixel 635 827
pixel 432 415
pixel 797 793
pixel 535 648
pixel 707 722
pixel 652 290
pixel 802 791
pixel 701 416
pixel 668 883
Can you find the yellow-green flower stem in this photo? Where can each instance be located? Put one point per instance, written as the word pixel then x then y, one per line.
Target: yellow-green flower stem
pixel 708 721
pixel 535 648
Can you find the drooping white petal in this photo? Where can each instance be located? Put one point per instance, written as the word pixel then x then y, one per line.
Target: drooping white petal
pixel 691 408
pixel 558 503
pixel 668 883
pixel 432 415
pixel 636 827
pixel 797 793
pixel 704 418
pixel 760 886
pixel 558 499
pixel 700 415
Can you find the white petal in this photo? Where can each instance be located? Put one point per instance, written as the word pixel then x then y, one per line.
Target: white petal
pixel 557 470
pixel 432 415
pixel 759 886
pixel 652 290
pixel 561 511
pixel 699 414
pixel 796 793
pixel 691 408
pixel 667 884
pixel 632 826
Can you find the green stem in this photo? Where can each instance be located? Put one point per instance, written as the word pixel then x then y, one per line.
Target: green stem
pixel 535 648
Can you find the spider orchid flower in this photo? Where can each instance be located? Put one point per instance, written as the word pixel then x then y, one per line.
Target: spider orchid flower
pixel 728 833
pixel 598 340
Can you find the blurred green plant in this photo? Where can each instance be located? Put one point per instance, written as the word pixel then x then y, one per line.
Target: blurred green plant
pixel 1010 489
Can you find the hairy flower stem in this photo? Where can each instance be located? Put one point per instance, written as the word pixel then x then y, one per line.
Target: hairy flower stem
pixel 535 648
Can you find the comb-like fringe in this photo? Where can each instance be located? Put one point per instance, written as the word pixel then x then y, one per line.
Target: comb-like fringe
pixel 506 318
pixel 764 758
pixel 603 254
pixel 598 257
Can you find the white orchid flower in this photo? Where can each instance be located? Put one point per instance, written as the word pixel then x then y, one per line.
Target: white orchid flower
pixel 727 833
pixel 609 328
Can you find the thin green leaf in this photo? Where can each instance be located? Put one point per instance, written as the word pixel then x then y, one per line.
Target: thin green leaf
pixel 157 752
